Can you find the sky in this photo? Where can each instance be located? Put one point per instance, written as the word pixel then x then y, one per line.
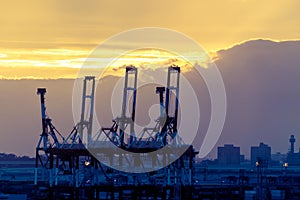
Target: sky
pixel 62 33
pixel 51 39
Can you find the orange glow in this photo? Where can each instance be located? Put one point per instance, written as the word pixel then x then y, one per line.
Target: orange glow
pixel 43 34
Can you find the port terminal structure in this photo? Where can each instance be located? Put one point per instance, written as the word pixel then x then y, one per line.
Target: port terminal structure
pixel 71 163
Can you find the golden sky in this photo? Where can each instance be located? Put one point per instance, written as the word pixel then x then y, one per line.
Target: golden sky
pixel 36 34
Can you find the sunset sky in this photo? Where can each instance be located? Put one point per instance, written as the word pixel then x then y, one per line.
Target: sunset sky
pixel 36 35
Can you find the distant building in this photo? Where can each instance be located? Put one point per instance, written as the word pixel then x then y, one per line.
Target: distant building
pixel 261 152
pixel 278 157
pixel 242 158
pixel 292 141
pixel 228 155
pixel 293 158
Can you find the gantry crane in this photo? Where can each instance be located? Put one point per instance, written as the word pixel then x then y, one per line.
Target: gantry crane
pixel 117 133
pixel 50 137
pixel 166 124
pixel 82 132
pixel 55 153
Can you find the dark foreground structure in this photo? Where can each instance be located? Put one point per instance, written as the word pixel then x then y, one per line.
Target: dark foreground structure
pixel 219 184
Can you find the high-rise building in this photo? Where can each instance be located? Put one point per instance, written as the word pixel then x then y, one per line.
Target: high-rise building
pixel 228 155
pixel 293 158
pixel 260 153
pixel 292 141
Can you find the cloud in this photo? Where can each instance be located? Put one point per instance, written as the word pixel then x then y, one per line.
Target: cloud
pixel 261 79
pixel 18 73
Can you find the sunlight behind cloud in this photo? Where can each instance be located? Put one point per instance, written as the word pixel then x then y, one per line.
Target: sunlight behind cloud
pixel 64 63
pixel 3 55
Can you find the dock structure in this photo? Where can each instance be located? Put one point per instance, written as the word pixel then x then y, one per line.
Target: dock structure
pixel 82 166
